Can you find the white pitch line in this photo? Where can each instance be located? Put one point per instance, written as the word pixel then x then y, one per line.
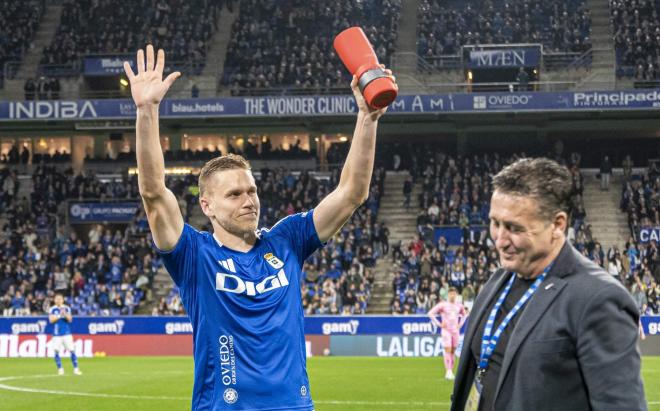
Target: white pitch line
pixel 150 397
pixel 74 393
pixel 392 403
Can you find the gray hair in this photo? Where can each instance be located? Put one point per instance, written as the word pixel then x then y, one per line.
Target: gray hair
pixel 543 179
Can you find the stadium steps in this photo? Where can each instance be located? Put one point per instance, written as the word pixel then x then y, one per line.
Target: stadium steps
pixel 609 225
pixel 207 82
pixel 402 226
pixel 50 21
pixel 401 222
pixel 407 32
pixel 161 288
pixel 602 74
pixel 381 289
pixel 3 221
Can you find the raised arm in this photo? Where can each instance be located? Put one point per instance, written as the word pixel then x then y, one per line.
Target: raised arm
pixel 148 89
pixel 353 188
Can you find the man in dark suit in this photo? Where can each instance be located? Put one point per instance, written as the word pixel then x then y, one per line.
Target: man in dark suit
pixel 561 334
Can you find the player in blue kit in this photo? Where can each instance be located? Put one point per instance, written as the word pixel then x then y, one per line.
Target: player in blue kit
pixel 60 316
pixel 240 285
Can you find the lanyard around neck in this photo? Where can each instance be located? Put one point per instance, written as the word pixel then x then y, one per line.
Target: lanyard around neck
pixel 489 340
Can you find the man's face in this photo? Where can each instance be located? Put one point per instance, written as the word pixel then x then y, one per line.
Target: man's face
pixel 451 296
pixel 230 199
pixel 521 236
pixel 59 300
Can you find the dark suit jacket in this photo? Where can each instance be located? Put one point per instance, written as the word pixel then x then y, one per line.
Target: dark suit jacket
pixel 574 347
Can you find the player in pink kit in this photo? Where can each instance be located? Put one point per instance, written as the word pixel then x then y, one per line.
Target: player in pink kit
pixel 453 316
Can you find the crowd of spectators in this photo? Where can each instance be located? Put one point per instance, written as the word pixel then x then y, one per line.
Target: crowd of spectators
pixel 639 262
pixel 250 151
pixel 19 21
pixel 42 88
pixel 444 27
pixel 183 28
pixel 337 278
pixel 170 304
pixel 287 44
pixel 424 269
pixel 109 270
pixel 456 192
pixel 636 38
pixel 16 155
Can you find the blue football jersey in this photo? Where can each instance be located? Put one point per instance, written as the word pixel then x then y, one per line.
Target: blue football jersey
pixel 247 316
pixel 61 326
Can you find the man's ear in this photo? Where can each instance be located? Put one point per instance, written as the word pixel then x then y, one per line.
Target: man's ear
pixel 206 207
pixel 560 224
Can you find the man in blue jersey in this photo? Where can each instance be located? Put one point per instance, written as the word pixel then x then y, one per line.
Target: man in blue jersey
pixel 60 316
pixel 240 285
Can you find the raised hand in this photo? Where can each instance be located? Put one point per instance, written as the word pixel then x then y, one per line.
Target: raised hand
pixel 148 86
pixel 363 107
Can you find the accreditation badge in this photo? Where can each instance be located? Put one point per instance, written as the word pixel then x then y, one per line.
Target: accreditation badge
pixel 474 396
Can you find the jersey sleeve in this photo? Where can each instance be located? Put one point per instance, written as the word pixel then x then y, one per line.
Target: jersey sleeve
pixel 436 310
pixel 180 261
pixel 300 231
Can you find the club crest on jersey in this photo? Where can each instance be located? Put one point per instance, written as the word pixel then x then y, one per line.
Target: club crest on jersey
pixel 230 396
pixel 275 262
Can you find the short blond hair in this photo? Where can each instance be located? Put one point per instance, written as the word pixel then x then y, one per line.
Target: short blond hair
pixel 222 163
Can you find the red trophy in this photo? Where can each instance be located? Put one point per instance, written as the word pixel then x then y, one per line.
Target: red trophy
pixel 354 49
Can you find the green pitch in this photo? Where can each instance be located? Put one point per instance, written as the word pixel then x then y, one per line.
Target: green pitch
pixel 164 383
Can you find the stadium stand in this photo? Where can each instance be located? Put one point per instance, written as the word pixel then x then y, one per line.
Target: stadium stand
pixel 111 273
pixel 287 45
pixel 444 27
pixel 104 274
pixel 456 192
pixel 338 278
pixel 639 263
pixel 100 27
pixel 19 21
pixel 636 38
